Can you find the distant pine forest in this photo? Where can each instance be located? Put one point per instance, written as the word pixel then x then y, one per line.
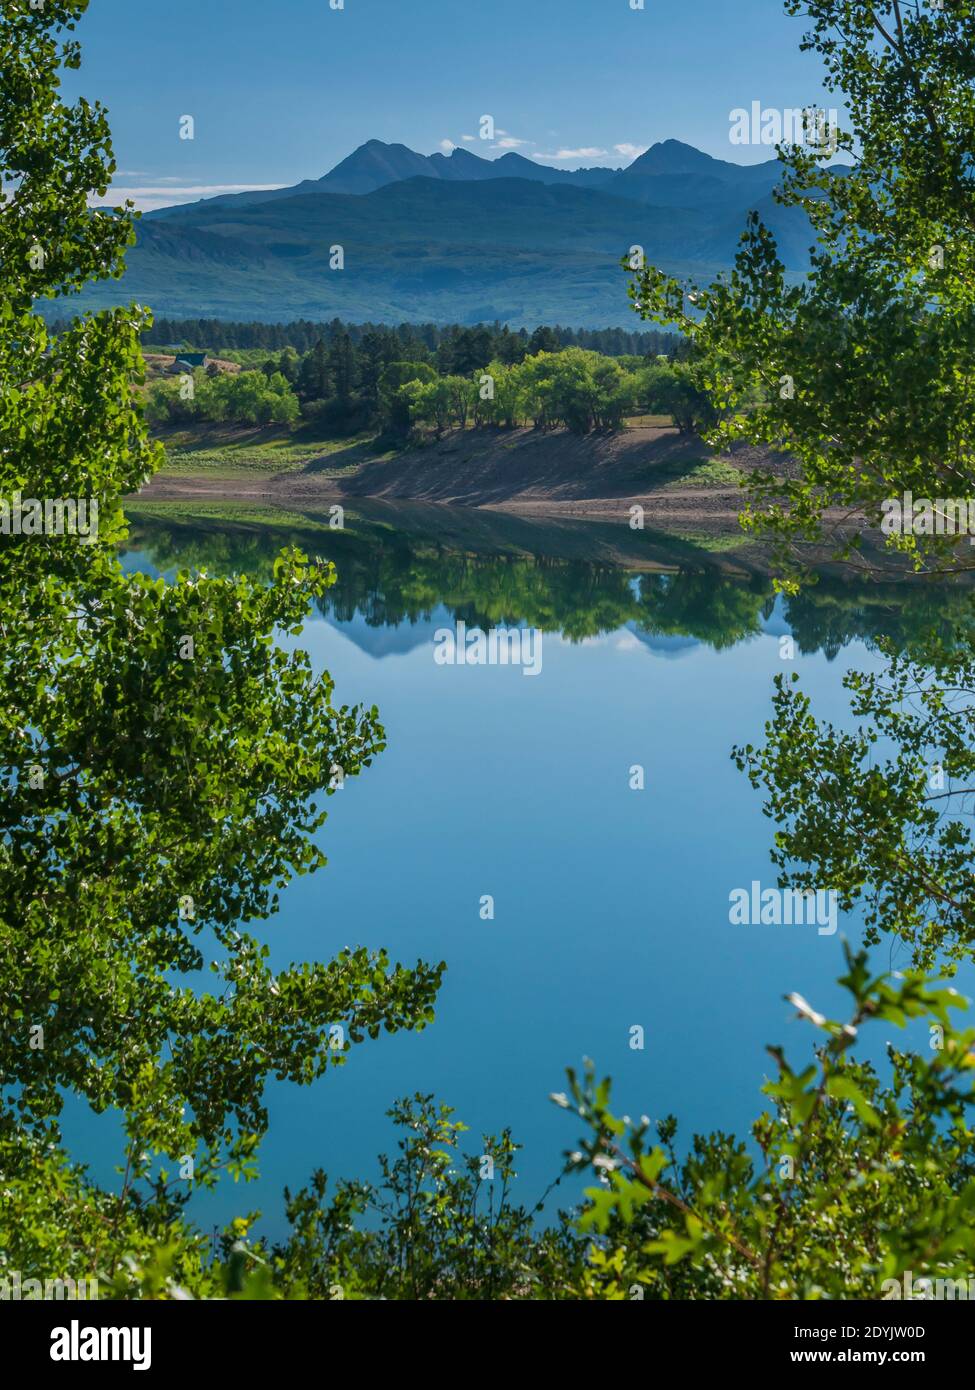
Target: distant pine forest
pixel 481 342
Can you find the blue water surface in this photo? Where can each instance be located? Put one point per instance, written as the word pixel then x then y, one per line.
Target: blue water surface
pixel 611 904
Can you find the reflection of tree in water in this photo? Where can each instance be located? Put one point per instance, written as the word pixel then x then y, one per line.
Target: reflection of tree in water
pixel 388 578
pixel 827 616
pixel 715 610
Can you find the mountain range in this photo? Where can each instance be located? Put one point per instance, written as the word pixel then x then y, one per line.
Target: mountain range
pixel 452 238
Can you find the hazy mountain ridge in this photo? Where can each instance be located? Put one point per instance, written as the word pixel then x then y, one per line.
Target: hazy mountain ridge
pixel 453 237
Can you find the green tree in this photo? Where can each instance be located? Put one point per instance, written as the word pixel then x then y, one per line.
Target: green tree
pixel 160 754
pixel 465 351
pixel 499 399
pixel 375 350
pixel 857 1184
pixel 248 398
pixel 342 370
pixel 669 389
pixel 863 369
pixel 543 340
pixel 396 403
pixel 882 812
pixel 851 1186
pixel 312 382
pixel 288 365
pixel 443 1224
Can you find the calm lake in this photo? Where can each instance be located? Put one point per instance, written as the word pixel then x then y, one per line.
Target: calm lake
pixel 611 904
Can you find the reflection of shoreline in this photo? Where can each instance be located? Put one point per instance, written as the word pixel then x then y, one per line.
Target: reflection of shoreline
pixel 714 509
pixel 397 566
pixel 603 539
pixel 481 530
pixel 715 525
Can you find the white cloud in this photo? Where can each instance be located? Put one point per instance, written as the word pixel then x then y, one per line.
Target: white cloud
pixel 586 152
pixel 629 151
pixel 447 146
pixel 163 195
pixel 510 143
pixel 469 138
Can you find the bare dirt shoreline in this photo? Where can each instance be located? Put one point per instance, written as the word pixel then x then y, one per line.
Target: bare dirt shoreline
pixel 672 477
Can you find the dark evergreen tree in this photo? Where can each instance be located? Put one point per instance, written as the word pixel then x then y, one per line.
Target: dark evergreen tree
pixel 313 374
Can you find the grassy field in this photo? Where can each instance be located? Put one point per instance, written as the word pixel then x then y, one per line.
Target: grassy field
pixel 713 544
pixel 716 473
pixel 227 453
pixel 238 513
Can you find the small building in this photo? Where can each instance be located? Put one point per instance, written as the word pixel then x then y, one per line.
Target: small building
pixel 189 361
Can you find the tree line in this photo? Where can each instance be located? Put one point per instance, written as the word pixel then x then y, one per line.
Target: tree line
pixel 347 388
pixel 419 341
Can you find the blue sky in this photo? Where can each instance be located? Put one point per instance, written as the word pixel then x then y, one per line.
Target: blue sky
pixel 281 92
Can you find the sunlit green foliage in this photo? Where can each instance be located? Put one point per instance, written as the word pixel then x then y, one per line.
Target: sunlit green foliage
pixel 882 811
pixel 160 752
pixel 247 398
pixel 862 371
pixel 855 1181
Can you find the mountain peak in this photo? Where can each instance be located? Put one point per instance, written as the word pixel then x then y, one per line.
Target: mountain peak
pixel 372 165
pixel 673 157
pixel 458 155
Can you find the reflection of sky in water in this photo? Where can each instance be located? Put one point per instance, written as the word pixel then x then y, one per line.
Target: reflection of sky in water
pixel 611 904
